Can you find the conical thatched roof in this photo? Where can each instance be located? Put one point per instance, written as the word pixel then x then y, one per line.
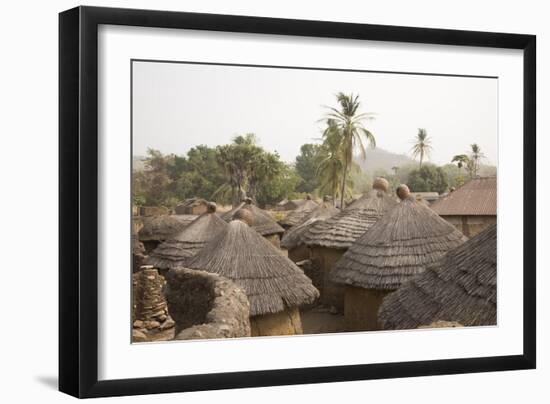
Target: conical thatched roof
pixel 461 287
pixel 293 237
pixel 300 214
pixel 271 281
pixel 341 231
pixel 397 247
pixel 173 252
pixel 160 228
pixel 263 222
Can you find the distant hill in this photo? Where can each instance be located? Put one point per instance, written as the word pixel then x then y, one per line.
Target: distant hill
pixel 380 159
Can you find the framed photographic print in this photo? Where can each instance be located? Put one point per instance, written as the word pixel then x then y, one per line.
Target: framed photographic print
pixel 251 201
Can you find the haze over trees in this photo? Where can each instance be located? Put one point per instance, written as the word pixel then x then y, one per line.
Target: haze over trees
pixel 341 165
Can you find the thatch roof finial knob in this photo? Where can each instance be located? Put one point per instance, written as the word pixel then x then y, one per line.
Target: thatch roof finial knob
pixel 403 192
pixel 244 215
pixel 211 207
pixel 308 197
pixel 381 184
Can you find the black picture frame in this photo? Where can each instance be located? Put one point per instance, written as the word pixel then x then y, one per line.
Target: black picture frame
pixel 78 201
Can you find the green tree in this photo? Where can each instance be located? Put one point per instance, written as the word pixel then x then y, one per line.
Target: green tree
pixel 331 168
pixel 306 167
pixel 353 134
pixel 422 146
pixel 428 178
pixel 150 185
pixel 237 160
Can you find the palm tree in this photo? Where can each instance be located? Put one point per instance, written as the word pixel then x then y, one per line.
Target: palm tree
pixel 461 160
pixel 422 145
pixel 349 123
pixel 475 156
pixel 330 168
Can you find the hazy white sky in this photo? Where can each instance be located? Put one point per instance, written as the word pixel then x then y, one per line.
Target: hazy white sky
pixel 178 106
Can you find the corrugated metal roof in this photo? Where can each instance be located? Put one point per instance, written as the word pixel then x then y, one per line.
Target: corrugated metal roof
pixel 476 197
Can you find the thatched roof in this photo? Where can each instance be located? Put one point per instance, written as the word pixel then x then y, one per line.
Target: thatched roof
pixel 476 197
pixel 160 228
pixel 173 252
pixel 263 221
pixel 397 247
pixel 341 230
pixel 293 237
pixel 460 288
pixel 299 214
pixel 271 281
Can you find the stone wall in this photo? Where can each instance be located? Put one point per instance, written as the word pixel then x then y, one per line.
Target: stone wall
pixel 150 313
pixel 153 211
pixel 206 305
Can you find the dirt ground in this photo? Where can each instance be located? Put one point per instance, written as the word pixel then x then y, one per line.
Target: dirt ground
pixel 319 320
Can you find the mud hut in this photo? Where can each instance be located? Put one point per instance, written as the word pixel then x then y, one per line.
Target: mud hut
pixel 459 288
pixel 156 229
pixel 263 223
pixel 471 207
pixel 192 206
pixel 173 252
pixel 299 214
pixel 292 239
pixel 394 250
pixel 329 239
pixel 274 285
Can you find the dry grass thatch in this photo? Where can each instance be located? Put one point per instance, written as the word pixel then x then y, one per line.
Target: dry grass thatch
pixel 263 222
pixel 299 214
pixel 173 252
pixel 293 237
pixel 160 228
pixel 461 288
pixel 341 230
pixel 272 282
pixel 397 247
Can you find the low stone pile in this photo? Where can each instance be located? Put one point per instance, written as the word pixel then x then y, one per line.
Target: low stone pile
pixel 150 312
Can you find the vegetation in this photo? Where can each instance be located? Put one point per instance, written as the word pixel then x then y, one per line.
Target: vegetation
pixel 347 124
pixel 337 166
pixel 422 146
pixel 428 178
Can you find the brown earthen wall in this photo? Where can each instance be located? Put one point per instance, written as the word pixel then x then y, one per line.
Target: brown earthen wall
pixel 361 308
pixel 332 294
pixel 287 322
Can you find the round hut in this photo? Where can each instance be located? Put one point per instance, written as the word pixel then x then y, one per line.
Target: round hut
pixel 173 252
pixel 263 222
pixel 395 249
pixel 157 229
pixel 329 239
pixel 292 239
pixel 460 288
pixel 299 214
pixel 274 285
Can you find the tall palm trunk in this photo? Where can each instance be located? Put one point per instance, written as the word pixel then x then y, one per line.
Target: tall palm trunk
pixel 343 184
